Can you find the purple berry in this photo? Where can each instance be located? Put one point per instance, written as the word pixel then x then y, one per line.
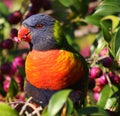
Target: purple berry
pixel 13 32
pixel 5 68
pixel 12 69
pixel 95 72
pixel 34 9
pixel 115 79
pixel 7 44
pixel 46 4
pixel 15 17
pixel 1 78
pixel 36 1
pixel 107 62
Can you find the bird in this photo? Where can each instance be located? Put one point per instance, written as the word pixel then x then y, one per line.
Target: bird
pixel 52 64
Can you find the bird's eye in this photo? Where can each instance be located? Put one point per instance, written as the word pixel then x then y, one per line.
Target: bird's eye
pixel 39 26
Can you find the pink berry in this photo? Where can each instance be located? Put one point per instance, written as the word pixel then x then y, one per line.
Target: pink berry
pixel 104 52
pixel 22 96
pixel 6 83
pixel 95 72
pixel 18 61
pixel 103 80
pixel 96 96
pixel 85 52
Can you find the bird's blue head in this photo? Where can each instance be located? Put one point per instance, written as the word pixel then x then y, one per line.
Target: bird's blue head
pixel 41 30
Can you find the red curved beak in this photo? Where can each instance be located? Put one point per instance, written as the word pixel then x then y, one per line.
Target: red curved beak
pixel 24 34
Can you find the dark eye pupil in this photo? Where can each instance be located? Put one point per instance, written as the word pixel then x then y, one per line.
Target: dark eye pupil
pixel 39 26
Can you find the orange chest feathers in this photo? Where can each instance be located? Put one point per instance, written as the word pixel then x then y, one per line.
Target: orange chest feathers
pixel 53 69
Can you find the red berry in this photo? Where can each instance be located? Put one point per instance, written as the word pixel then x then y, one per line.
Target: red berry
pixel 15 17
pixel 98 88
pixel 107 62
pixel 95 72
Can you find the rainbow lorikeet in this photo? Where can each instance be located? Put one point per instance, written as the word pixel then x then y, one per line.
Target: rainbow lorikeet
pixel 52 64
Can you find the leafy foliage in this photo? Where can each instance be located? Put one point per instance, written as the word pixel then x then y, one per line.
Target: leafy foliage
pixel 6 110
pixel 100 19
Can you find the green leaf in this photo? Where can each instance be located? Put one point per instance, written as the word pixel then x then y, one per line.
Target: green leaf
pixel 45 111
pixel 69 106
pixel 57 101
pixel 6 110
pixel 108 97
pixel 106 32
pixel 66 3
pixel 108 8
pixel 95 111
pixel 118 55
pixel 115 20
pixel 115 44
pixel 13 88
pixel 93 19
pixel 3 10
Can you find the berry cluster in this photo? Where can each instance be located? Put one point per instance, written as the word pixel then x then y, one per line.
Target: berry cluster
pixel 102 74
